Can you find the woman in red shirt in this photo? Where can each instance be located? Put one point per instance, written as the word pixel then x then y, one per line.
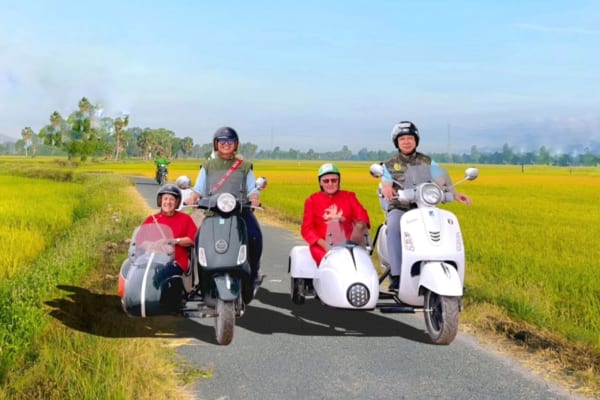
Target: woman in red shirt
pixel 331 203
pixel 183 226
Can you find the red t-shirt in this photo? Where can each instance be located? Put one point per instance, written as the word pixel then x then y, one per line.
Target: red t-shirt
pixel 182 225
pixel 314 223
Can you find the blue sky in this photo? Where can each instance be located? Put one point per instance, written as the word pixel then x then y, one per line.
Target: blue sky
pixel 312 74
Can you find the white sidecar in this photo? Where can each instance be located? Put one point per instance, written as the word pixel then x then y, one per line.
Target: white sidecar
pixel 346 277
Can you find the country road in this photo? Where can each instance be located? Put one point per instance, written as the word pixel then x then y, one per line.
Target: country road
pixel 284 351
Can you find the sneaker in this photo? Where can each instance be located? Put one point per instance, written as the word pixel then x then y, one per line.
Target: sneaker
pixel 394 283
pixel 257 282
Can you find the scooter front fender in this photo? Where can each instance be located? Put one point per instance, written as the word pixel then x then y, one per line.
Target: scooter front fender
pixel 441 278
pixel 227 287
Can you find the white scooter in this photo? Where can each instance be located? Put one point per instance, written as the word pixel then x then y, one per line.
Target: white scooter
pixel 346 277
pixel 433 256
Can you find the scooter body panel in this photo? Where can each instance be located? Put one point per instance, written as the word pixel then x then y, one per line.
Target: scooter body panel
pixel 221 240
pixel 150 287
pixel 343 267
pixel 221 245
pixel 432 245
pixel 302 265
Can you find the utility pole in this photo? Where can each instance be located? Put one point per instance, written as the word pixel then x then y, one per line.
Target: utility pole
pixel 449 151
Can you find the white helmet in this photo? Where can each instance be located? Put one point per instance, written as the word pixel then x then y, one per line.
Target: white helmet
pixel 183 182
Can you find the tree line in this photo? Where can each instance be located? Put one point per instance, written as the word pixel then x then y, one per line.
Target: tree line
pixel 87 133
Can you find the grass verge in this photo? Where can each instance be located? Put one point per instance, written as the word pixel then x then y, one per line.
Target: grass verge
pixel 67 336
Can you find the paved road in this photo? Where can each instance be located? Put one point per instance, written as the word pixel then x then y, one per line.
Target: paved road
pixel 284 351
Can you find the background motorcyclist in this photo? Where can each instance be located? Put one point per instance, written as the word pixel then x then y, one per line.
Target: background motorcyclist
pixel 161 160
pixel 227 172
pixel 184 229
pixel 332 203
pixel 405 137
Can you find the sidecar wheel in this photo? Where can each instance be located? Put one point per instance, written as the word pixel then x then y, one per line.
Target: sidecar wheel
pixel 224 321
pixel 298 291
pixel 442 318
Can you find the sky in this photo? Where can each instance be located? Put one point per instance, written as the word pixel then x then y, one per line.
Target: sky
pixel 312 74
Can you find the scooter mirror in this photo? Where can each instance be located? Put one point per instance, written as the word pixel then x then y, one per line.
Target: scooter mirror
pixel 471 173
pixel 261 183
pixel 376 170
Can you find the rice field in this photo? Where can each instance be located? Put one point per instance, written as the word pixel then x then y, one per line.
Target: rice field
pixel 33 212
pixel 531 235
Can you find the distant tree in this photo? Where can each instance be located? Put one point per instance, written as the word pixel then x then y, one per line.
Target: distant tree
pixel 55 133
pixel 176 147
pixel 544 156
pixel 475 154
pixel 248 150
pixel 187 144
pixel 27 134
pixel 276 153
pixel 344 154
pixel 162 141
pixel 363 154
pixel 507 154
pixel 144 142
pixel 119 124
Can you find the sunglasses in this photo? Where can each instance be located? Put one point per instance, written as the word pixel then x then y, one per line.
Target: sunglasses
pixel 226 141
pixel 328 181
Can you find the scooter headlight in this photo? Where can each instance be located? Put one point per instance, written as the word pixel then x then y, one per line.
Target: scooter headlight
pixel 431 194
pixel 226 202
pixel 242 254
pixel 358 295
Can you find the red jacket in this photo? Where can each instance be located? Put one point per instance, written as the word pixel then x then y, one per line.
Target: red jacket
pixel 314 223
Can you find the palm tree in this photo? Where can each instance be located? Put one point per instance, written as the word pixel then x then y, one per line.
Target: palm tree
pixel 120 123
pixel 27 134
pixel 144 142
pixel 187 144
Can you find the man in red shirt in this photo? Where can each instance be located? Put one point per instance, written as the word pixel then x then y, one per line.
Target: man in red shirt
pixel 332 204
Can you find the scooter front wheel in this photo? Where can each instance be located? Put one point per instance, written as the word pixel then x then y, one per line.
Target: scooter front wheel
pixel 224 321
pixel 441 317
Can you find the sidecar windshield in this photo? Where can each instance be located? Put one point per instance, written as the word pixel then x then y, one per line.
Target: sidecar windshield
pixel 153 238
pixel 335 233
pixel 417 174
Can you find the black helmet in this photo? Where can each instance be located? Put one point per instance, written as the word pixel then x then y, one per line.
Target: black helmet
pixel 404 128
pixel 226 133
pixel 169 189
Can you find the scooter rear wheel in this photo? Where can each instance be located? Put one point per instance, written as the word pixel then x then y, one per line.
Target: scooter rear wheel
pixel 298 291
pixel 441 317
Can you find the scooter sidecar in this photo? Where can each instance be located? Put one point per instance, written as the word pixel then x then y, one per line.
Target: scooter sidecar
pixel 346 277
pixel 151 287
pixel 149 283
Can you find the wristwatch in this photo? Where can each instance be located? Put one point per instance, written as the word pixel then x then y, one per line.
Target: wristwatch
pixel 177 240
